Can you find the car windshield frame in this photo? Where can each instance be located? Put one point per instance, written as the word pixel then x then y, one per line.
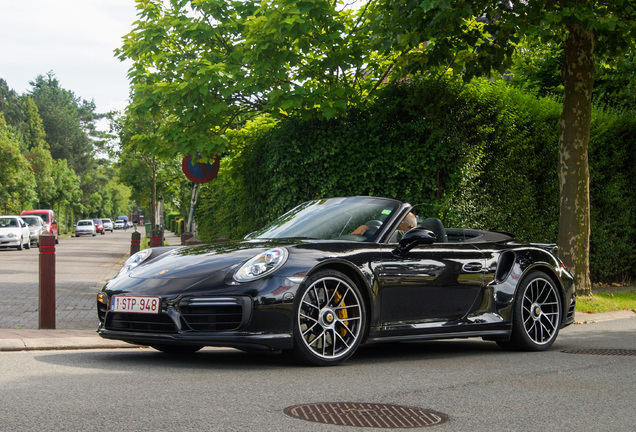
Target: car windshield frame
pixel 332 219
pixel 32 220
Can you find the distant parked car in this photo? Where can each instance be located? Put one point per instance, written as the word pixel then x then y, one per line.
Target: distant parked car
pixel 14 232
pixel 36 228
pixel 99 226
pixel 120 224
pixel 85 227
pixel 108 224
pixel 48 216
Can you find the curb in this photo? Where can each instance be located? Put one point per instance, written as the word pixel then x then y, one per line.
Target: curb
pixel 42 340
pixel 591 318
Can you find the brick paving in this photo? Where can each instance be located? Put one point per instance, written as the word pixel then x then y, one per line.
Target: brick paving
pixel 83 266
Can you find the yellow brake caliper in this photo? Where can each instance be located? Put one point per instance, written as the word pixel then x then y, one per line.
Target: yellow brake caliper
pixel 342 313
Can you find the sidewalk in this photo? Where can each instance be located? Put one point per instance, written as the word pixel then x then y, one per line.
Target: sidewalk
pixel 23 339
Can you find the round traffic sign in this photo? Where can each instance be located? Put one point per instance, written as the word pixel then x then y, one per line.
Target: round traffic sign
pixel 199 172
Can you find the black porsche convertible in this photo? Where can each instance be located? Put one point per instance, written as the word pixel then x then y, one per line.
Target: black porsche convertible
pixel 332 274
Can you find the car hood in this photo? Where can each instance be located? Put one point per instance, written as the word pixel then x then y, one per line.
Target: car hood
pixel 196 262
pixel 8 230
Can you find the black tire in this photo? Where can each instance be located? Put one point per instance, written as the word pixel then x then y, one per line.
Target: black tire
pixel 536 315
pixel 177 349
pixel 329 319
pixel 27 245
pixel 19 247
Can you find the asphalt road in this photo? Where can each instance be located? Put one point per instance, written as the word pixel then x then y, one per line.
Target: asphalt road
pixel 477 385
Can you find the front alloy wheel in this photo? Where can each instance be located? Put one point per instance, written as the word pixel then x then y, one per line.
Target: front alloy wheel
pixel 537 314
pixel 329 319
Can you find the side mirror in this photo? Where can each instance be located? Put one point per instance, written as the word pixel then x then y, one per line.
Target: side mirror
pixel 412 238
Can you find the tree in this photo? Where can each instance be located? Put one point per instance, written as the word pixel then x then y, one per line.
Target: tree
pixel 142 170
pixel 60 113
pixel 476 37
pixel 17 184
pixel 206 66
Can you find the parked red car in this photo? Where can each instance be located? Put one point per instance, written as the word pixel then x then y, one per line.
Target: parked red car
pixel 99 226
pixel 49 220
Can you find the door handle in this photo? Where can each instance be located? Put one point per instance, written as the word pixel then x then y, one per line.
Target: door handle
pixel 472 267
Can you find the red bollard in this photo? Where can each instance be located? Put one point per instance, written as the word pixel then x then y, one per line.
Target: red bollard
pixel 46 319
pixel 135 242
pixel 156 238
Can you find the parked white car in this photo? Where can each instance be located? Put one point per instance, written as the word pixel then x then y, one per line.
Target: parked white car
pixel 36 228
pixel 14 232
pixel 120 224
pixel 85 227
pixel 108 225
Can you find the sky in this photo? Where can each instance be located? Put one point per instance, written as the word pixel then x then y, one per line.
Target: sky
pixel 73 38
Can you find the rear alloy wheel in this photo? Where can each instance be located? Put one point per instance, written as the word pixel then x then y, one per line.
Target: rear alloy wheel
pixel 536 315
pixel 329 319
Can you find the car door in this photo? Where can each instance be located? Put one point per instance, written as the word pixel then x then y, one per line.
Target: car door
pixel 24 228
pixel 430 285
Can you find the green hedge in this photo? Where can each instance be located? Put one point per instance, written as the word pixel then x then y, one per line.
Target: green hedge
pixel 486 153
pixel 170 218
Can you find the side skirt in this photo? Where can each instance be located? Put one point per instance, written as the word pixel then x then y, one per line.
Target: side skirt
pixel 486 334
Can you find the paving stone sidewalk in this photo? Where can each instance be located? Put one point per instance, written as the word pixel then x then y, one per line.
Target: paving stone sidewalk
pixel 81 272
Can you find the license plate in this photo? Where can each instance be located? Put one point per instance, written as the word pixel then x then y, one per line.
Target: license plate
pixel 136 304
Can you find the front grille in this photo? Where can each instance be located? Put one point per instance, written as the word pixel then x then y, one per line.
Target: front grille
pixel 213 313
pixel 155 323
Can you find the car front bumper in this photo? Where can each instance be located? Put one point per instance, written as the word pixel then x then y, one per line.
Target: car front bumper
pixel 239 340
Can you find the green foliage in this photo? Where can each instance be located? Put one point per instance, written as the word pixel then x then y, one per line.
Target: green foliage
pixel 17 183
pixel 485 153
pixel 613 196
pixel 61 116
pixel 210 65
pixel 515 187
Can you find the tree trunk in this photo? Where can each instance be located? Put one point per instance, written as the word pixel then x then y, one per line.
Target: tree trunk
pixel 574 176
pixel 153 199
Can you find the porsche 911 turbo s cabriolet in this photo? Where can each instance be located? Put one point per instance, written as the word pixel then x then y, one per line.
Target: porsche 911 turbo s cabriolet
pixel 332 274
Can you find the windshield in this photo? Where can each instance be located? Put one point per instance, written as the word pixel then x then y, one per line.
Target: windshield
pixel 44 216
pixel 32 220
pixel 9 223
pixel 334 218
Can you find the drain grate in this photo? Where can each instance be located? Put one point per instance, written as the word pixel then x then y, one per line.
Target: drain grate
pixel 369 415
pixel 607 352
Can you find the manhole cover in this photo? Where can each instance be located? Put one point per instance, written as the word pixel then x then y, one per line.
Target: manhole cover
pixel 366 415
pixel 608 352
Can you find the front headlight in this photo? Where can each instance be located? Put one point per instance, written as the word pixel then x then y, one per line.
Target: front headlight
pixel 261 265
pixel 134 261
pixel 11 235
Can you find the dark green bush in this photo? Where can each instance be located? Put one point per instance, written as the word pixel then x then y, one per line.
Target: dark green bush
pixel 485 153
